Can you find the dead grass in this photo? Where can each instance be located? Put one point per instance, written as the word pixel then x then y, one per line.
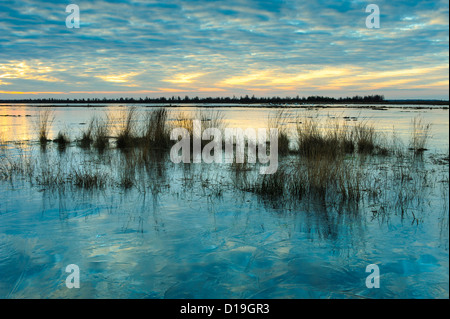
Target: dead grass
pixel 87 179
pixel 420 135
pixel 87 135
pixel 126 136
pixel 365 138
pixel 62 140
pixel 278 120
pixel 157 129
pixel 44 120
pixel 315 140
pixel 101 133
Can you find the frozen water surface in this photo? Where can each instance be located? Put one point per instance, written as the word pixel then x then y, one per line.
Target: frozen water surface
pixel 186 231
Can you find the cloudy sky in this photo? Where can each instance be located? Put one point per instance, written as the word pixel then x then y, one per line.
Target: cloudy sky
pixel 137 48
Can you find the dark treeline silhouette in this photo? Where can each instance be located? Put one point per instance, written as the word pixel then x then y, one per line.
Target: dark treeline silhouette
pixel 228 100
pixel 219 100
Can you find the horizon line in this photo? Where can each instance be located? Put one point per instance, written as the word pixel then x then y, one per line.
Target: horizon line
pixel 376 98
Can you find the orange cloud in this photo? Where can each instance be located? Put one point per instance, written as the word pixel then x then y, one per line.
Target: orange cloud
pixel 18 92
pixel 25 70
pixel 119 78
pixel 183 78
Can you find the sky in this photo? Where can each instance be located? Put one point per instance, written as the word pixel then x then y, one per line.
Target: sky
pixel 137 48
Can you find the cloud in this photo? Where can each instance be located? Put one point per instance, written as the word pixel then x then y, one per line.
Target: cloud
pixel 265 46
pixel 33 70
pixel 119 78
pixel 183 78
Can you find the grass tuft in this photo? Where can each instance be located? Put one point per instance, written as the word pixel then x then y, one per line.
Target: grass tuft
pixel 101 134
pixel 87 136
pixel 62 140
pixel 278 121
pixel 420 135
pixel 157 130
pixel 43 123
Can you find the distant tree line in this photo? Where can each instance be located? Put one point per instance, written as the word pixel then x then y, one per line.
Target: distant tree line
pixel 174 100
pixel 213 100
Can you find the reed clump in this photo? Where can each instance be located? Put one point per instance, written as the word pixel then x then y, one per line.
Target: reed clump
pixel 272 186
pixel 184 120
pixel 326 177
pixel 50 176
pixel 126 136
pixel 208 119
pixel 157 129
pixel 89 179
pixel 328 166
pixel 279 121
pixel 43 123
pixel 314 140
pixel 101 134
pixel 420 135
pixel 21 165
pixel 335 138
pixel 365 138
pixel 322 178
pixel 62 140
pixel 87 135
pixel 3 143
pixel 211 119
pixel 248 159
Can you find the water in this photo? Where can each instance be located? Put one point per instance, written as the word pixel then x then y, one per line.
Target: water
pixel 187 232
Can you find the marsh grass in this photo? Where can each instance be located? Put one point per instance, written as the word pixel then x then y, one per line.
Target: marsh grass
pixel 278 120
pixel 333 163
pixel 319 174
pixel 156 132
pixel 184 120
pixel 397 185
pixel 351 182
pixel 211 119
pixel 126 136
pixel 333 178
pixel 420 135
pixel 129 163
pixel 87 135
pixel 272 186
pixel 365 138
pixel 89 179
pixel 309 137
pixel 3 143
pixel 207 118
pixel 20 165
pixel 62 140
pixel 315 140
pixel 324 179
pixel 240 167
pixel 336 138
pixel 51 176
pixel 101 133
pixel 329 164
pixel 43 122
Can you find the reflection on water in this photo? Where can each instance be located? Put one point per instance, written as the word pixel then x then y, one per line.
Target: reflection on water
pixel 155 229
